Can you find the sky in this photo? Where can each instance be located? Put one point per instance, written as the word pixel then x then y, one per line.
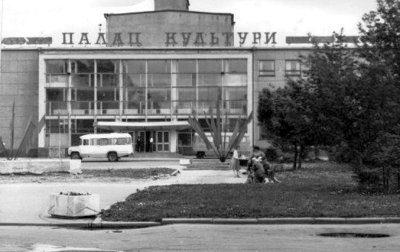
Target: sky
pixel 22 18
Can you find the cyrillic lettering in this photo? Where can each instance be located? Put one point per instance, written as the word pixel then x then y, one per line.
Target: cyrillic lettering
pixel 68 35
pixel 135 41
pixel 171 41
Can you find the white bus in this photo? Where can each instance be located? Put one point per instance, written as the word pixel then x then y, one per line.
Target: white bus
pixel 112 146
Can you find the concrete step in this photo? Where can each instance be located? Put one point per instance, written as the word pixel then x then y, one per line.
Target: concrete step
pixel 208 164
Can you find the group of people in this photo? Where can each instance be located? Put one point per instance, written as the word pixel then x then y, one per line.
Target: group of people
pixel 259 170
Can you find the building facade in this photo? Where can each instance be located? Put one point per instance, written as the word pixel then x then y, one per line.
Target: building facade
pixel 148 88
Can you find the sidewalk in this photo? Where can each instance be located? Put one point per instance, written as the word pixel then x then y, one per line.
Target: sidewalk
pixel 28 203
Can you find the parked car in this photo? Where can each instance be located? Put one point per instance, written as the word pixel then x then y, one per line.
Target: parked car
pixel 112 146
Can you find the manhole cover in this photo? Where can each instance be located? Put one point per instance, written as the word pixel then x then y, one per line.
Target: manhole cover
pixel 355 235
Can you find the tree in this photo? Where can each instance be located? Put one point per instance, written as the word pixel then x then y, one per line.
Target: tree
pixel 309 110
pixel 282 113
pixel 349 96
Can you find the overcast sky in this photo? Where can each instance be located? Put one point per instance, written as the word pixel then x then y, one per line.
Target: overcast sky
pixel 287 17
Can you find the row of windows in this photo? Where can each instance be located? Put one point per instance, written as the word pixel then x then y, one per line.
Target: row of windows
pixel 107 141
pixel 207 66
pixel 156 94
pixel 266 68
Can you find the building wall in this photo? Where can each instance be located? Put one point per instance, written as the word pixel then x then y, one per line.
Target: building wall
pixel 235 84
pixel 153 27
pixel 278 80
pixel 19 82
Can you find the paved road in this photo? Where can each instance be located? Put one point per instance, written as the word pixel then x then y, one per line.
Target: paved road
pixel 199 238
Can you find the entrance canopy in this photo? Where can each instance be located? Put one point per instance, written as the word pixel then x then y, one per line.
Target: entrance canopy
pixel 142 126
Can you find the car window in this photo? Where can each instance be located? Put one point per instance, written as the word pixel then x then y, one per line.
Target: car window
pixel 86 142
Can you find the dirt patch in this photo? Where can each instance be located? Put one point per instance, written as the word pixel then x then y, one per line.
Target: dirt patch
pixel 101 176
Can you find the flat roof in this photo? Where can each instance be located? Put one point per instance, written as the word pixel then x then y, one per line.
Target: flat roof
pixel 110 135
pixel 199 49
pixel 106 15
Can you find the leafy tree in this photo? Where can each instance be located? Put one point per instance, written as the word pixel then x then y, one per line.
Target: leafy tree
pixel 310 110
pixel 348 96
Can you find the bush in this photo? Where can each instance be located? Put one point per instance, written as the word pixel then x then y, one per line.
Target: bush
pixel 342 154
pixel 380 164
pixel 272 154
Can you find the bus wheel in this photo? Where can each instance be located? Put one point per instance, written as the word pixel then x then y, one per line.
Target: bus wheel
pixel 112 157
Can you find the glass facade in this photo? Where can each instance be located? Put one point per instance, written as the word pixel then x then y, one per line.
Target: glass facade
pixel 162 89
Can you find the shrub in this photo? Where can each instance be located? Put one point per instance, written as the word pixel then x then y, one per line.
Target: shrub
pixel 380 164
pixel 272 154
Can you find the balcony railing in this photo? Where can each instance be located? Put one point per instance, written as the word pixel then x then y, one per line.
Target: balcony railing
pixel 134 108
pixel 235 107
pixel 184 108
pixel 56 108
pixel 108 108
pixel 82 108
pixel 56 80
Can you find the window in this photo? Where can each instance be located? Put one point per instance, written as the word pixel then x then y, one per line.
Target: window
pixel 56 94
pixel 235 66
pixel 107 66
pixel 210 66
pixel 56 66
pixel 86 142
pixel 121 141
pixel 159 66
pixel 82 66
pixel 102 141
pixel 186 73
pixel 266 67
pixel 293 68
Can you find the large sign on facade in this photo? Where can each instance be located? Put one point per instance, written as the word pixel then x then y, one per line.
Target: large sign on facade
pixel 172 39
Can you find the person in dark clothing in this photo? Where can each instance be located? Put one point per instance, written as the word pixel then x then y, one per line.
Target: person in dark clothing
pixel 259 169
pixel 255 168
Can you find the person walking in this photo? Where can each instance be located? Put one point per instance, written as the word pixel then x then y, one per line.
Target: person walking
pixel 235 164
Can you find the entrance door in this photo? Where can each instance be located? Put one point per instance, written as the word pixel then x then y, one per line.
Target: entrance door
pixel 150 147
pixel 162 141
pixel 141 141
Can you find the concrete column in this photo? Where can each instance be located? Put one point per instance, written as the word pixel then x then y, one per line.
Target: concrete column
pixel 95 94
pixel 174 92
pixel 69 98
pixel 121 90
pixel 147 90
pixel 42 101
pixel 197 89
pixel 173 141
pixel 250 95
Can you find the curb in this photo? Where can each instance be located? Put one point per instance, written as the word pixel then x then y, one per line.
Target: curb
pixel 99 224
pixel 283 221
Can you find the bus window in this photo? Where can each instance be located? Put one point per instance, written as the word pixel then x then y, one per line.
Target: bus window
pixel 86 142
pixel 103 141
pixel 123 141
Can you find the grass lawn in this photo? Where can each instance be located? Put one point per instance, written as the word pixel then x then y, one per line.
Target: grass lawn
pixel 319 190
pixel 105 175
